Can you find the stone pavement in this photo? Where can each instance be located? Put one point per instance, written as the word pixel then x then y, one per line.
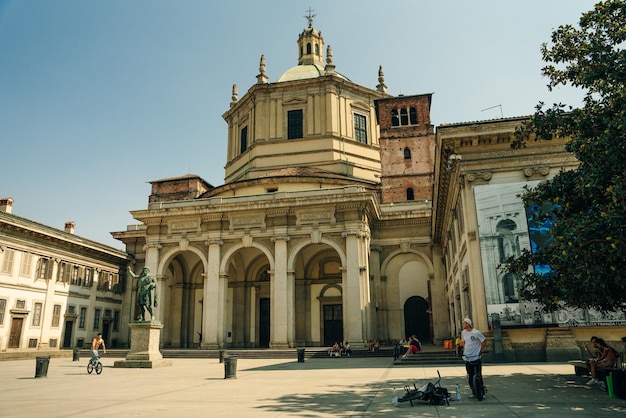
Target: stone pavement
pixel 324 387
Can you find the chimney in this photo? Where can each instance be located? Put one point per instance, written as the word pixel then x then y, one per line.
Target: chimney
pixel 6 205
pixel 69 227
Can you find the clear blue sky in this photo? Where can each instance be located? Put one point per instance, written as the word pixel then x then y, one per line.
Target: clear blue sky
pixel 97 98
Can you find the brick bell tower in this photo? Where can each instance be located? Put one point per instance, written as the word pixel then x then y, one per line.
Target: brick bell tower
pixel 407 148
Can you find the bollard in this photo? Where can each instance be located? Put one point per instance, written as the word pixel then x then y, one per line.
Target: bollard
pixel 222 354
pixel 230 367
pixel 75 354
pixel 300 355
pixel 41 366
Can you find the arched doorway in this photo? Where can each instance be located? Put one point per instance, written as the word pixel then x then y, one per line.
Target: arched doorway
pixel 417 319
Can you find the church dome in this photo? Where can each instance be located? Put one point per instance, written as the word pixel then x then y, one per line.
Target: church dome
pixel 301 72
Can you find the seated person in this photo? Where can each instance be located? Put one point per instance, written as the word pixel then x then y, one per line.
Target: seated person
pixel 606 359
pixel 414 346
pixel 346 349
pixel 376 345
pixel 334 351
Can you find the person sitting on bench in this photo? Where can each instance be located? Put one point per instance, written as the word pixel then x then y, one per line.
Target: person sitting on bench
pixel 607 359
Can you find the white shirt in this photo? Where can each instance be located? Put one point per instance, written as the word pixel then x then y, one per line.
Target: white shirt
pixel 473 340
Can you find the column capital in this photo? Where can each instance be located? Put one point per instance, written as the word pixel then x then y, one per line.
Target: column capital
pixel 281 238
pixel 153 244
pixel 358 234
pixel 210 241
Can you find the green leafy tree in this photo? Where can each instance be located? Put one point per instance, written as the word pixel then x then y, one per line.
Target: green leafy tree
pixel 585 207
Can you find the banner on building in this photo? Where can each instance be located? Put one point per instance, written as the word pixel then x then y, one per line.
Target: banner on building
pixel 505 227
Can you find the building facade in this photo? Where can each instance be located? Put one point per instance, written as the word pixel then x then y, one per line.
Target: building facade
pixel 344 216
pixel 57 290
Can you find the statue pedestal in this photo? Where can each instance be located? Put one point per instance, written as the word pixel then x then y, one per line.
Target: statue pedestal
pixel 144 347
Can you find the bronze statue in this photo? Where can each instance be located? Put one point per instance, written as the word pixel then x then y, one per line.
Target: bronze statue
pixel 144 294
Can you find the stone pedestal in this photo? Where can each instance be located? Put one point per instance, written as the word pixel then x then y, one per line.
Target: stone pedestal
pixel 144 346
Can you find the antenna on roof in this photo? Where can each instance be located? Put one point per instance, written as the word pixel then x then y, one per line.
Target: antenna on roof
pixel 493 107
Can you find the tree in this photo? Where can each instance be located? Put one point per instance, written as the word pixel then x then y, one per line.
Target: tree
pixel 585 207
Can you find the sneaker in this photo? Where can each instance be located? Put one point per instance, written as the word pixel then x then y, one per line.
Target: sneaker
pixel 471 396
pixel 593 381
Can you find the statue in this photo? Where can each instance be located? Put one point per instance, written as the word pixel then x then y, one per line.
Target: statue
pixel 144 294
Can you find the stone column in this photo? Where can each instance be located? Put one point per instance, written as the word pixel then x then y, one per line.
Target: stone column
pixel 281 334
pixel 152 262
pixel 47 309
pixel 352 306
pixel 214 303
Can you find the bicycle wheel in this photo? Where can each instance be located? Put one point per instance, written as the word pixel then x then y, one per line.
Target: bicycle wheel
pixel 89 367
pixel 479 389
pixel 98 368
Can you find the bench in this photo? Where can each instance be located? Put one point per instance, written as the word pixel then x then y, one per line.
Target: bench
pixel 581 369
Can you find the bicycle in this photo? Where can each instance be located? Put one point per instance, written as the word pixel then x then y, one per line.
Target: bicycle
pixel 94 364
pixel 478 386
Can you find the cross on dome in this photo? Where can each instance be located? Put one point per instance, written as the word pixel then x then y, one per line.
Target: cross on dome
pixel 310 17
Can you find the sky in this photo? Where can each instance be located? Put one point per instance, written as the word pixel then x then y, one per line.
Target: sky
pixel 98 98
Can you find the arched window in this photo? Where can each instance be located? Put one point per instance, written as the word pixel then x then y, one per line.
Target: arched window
pixel 409 194
pixel 404 117
pixel 394 118
pixel 407 154
pixel 308 48
pixel 413 116
pixel 301 51
pixel 317 49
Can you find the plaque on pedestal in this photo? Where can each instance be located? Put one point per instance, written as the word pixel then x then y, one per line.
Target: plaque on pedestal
pixel 144 346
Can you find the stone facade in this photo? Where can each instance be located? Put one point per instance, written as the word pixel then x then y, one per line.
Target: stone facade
pixel 57 289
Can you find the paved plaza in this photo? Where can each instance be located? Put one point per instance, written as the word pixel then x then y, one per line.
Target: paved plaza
pixel 319 387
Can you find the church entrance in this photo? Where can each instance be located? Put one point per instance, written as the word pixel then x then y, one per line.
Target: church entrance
pixel 416 319
pixel 264 322
pixel 333 324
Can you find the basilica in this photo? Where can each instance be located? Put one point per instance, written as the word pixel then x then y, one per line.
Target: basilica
pixel 346 215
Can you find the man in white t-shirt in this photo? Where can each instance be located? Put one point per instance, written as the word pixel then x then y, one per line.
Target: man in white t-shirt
pixel 474 341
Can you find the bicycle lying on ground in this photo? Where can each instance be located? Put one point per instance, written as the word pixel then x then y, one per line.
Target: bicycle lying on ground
pixel 432 393
pixel 94 364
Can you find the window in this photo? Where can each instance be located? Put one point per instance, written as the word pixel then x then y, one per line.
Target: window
pixel 26 266
pixel 409 194
pixel 404 117
pixel 7 262
pixel 394 118
pixel 96 319
pixel 407 154
pixel 88 277
pixel 37 314
pixel 360 128
pixel 243 140
pixel 413 116
pixel 82 318
pixel 294 124
pixel 56 315
pixel 44 269
pixel 308 48
pixel 74 275
pixel 317 49
pixel 116 321
pixel 32 343
pixel 3 307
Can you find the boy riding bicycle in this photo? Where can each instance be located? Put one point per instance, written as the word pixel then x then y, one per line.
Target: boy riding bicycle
pixel 95 344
